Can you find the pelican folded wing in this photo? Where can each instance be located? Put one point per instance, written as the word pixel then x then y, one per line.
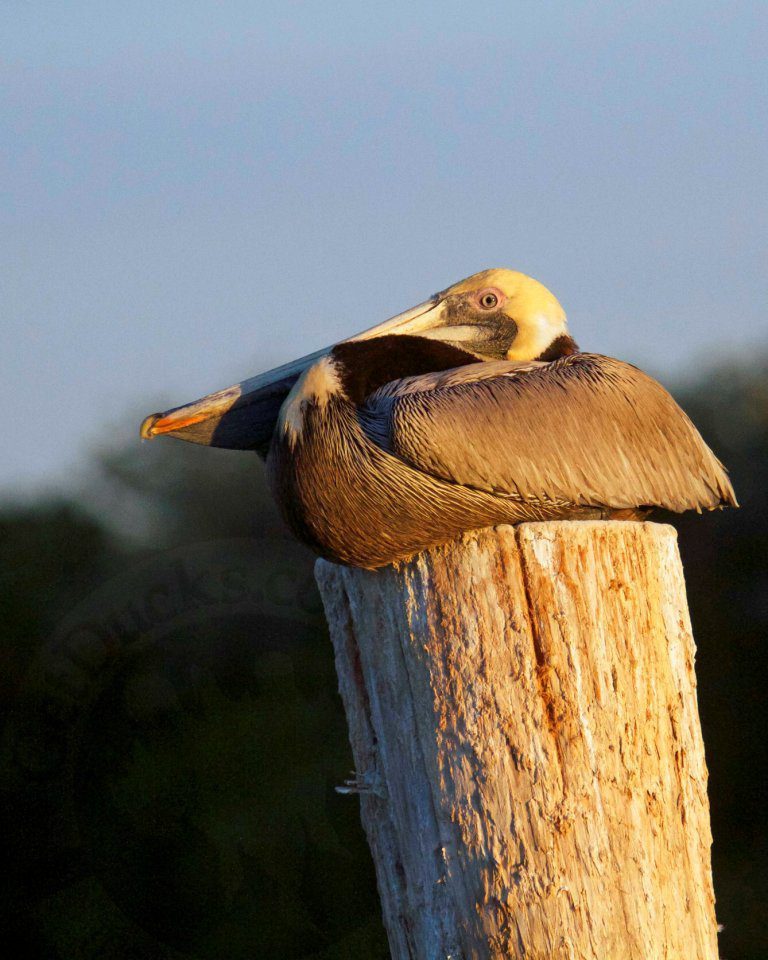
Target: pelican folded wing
pixel 586 430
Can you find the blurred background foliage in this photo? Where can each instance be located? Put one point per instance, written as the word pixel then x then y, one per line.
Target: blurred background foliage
pixel 172 738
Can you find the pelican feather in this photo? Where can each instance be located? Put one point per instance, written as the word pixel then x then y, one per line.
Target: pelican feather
pixel 585 429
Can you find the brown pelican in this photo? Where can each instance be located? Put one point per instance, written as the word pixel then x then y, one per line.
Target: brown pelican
pixel 472 409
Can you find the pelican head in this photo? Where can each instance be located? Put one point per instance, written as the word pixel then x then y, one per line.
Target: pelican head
pixel 493 315
pixel 514 316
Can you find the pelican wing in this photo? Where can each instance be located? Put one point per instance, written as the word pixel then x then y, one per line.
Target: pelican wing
pixel 585 430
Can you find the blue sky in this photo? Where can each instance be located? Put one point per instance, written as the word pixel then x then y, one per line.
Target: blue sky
pixel 193 192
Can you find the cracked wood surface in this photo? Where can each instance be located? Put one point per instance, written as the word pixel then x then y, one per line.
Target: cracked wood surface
pixel 522 713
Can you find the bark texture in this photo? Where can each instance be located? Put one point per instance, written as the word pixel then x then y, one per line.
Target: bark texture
pixel 522 713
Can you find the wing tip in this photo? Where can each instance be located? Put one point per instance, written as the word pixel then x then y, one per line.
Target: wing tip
pixel 727 495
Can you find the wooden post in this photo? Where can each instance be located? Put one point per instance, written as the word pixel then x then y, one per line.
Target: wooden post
pixel 522 712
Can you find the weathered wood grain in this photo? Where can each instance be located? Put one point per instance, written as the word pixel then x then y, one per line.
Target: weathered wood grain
pixel 522 713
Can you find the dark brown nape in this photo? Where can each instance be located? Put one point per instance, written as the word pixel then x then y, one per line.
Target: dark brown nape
pixel 563 346
pixel 366 365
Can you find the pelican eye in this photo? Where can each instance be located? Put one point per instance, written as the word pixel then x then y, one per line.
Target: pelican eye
pixel 488 300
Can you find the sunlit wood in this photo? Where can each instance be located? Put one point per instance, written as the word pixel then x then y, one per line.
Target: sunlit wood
pixel 523 718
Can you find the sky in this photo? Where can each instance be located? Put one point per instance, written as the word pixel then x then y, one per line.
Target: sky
pixel 192 192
